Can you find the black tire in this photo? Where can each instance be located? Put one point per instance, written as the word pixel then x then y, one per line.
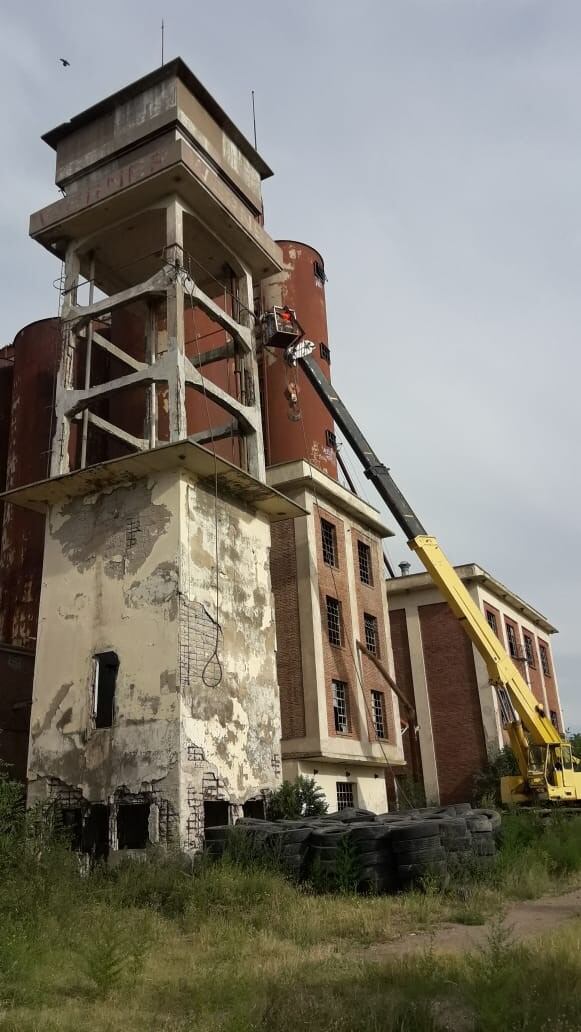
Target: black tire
pixel 419 830
pixel 297 834
pixel 480 823
pixel 368 832
pixel 484 849
pixel 413 856
pixel 414 872
pixel 493 816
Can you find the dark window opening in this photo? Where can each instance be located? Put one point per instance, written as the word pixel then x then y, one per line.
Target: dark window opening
pixel 72 823
pixel 329 542
pixel 104 684
pixel 133 825
pixel 254 808
pixel 345 794
pixel 371 633
pixel 378 703
pixel 96 831
pixel 492 621
pixel 319 270
pixel 331 439
pixel 364 555
pixel 216 813
pixel 325 352
pixel 340 707
pixel 554 720
pixel 545 660
pixel 529 650
pixel 334 621
pixel 511 638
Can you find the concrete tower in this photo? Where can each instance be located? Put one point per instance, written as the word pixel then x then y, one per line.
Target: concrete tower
pixel 155 702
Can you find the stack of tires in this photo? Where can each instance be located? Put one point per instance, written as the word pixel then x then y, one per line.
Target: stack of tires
pixel 356 849
pixel 418 853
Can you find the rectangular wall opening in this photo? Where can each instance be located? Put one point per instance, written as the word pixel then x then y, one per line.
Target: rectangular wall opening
pixel 254 808
pixel 216 813
pixel 133 825
pixel 104 684
pixel 96 831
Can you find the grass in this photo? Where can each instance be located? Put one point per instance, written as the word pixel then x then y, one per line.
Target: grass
pixel 236 948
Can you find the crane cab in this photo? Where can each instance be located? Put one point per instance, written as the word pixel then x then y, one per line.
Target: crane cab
pixel 551 777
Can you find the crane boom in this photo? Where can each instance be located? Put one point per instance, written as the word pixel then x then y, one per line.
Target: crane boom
pixel 544 760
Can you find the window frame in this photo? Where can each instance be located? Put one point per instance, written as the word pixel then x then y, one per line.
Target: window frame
pixel 349 790
pixel 511 641
pixel 491 621
pixel 343 687
pixel 325 352
pixel 378 698
pixel 330 439
pixel 366 548
pixel 370 622
pixel 326 527
pixel 530 651
pixel 339 633
pixel 544 654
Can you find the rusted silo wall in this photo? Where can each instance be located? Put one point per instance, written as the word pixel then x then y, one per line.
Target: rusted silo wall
pixel 31 425
pixel 301 286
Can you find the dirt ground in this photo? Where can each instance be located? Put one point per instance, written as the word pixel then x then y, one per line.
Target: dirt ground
pixel 525 920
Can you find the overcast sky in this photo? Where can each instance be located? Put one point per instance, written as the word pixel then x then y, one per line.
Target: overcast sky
pixel 431 150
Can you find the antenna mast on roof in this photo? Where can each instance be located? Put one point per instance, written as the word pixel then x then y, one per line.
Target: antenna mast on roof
pixel 254 118
pixel 162 41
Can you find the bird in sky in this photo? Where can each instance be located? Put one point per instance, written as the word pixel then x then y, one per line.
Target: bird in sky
pixel 64 62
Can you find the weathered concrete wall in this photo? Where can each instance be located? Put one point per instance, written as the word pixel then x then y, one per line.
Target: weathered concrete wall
pixel 133 571
pixel 227 673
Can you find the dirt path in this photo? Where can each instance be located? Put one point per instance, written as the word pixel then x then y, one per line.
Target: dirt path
pixel 524 920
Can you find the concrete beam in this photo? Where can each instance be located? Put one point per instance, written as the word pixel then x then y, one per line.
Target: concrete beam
pixel 103 424
pixel 112 349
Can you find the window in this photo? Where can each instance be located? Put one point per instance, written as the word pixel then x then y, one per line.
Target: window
pixel 371 633
pixel 104 683
pixel 545 660
pixel 329 541
pixel 319 270
pixel 378 704
pixel 334 621
pixel 364 553
pixel 492 621
pixel 511 638
pixel 340 710
pixel 529 650
pixel 133 825
pixel 345 795
pixel 254 808
pixel 325 352
pixel 330 439
pixel 554 720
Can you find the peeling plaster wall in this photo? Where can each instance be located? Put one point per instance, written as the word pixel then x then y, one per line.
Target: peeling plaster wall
pixel 235 724
pixel 133 571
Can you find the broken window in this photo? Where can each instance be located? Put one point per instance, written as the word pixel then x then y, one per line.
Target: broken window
pixel 72 822
pixel 96 831
pixel 254 808
pixel 491 618
pixel 133 825
pixel 364 556
pixel 340 707
pixel 511 638
pixel 545 660
pixel 216 813
pixel 529 650
pixel 325 352
pixel 378 703
pixel 329 542
pixel 104 683
pixel 371 633
pixel 331 439
pixel 334 621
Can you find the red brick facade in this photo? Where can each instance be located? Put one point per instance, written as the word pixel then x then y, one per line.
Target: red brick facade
pixel 283 569
pixel 534 668
pixel 454 702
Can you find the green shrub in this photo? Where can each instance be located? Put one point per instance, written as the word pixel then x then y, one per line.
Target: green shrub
pixel 486 786
pixel 293 799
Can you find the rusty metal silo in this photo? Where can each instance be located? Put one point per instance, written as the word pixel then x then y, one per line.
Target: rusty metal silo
pixel 300 286
pixel 31 419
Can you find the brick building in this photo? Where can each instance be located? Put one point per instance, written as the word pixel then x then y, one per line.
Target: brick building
pixel 438 668
pixel 340 720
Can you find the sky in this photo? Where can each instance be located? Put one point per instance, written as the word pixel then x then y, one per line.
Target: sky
pixel 431 150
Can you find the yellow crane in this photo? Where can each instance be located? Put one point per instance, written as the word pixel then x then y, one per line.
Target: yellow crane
pixel 545 761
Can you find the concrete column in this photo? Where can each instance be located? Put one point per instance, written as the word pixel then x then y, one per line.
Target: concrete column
pixel 254 443
pixel 60 446
pixel 426 734
pixel 316 720
pixel 176 386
